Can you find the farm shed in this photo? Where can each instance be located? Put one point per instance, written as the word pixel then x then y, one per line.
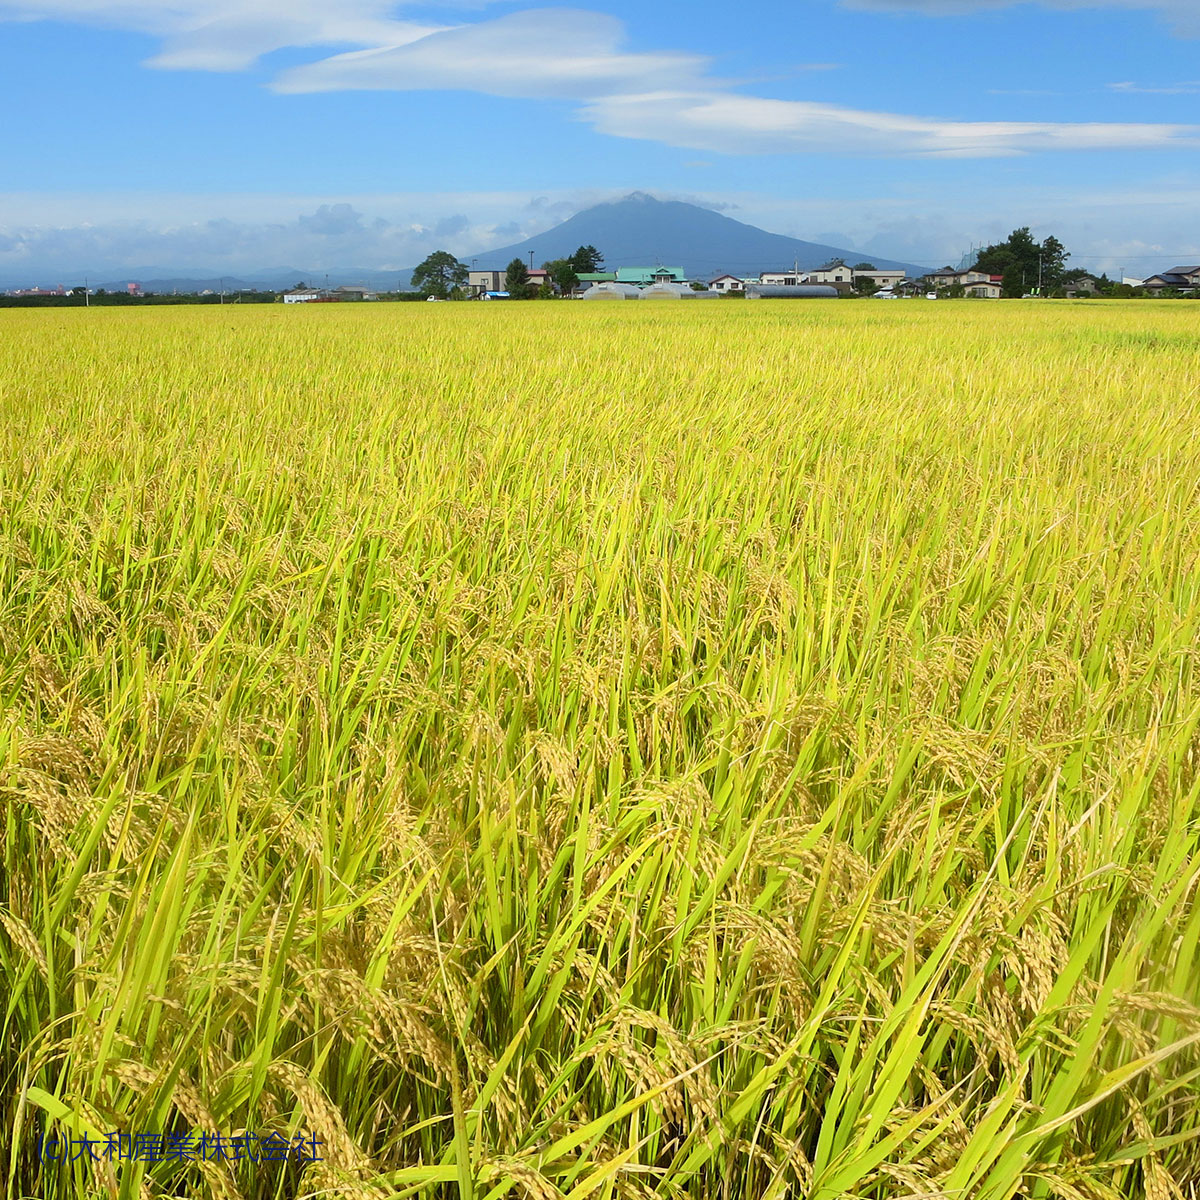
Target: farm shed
pixel 611 291
pixel 674 291
pixel 803 291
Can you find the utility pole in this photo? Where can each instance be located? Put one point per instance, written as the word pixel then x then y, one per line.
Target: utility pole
pixel 87 300
pixel 531 260
pixel 1039 272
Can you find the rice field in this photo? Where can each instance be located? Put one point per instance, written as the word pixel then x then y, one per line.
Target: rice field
pixel 563 751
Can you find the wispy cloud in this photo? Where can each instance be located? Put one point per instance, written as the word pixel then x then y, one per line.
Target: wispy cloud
pixel 1189 88
pixel 230 35
pixel 575 55
pixel 736 124
pixel 583 58
pixel 538 53
pixel 1182 15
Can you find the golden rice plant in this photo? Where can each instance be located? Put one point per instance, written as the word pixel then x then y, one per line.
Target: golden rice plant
pixel 568 751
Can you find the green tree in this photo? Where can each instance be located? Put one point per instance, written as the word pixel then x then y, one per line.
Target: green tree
pixel 1053 266
pixel 563 274
pixel 864 266
pixel 440 274
pixel 586 259
pixel 516 280
pixel 1021 259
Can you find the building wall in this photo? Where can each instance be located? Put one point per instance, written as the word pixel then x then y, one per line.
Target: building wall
pixel 882 278
pixel 834 275
pixel 485 281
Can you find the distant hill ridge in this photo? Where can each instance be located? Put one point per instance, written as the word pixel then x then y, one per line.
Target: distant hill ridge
pixel 640 230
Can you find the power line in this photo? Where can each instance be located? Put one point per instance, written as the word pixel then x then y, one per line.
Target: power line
pixel 1178 255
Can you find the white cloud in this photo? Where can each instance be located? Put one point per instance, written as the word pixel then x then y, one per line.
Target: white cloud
pixel 580 56
pixel 1190 87
pixel 537 53
pixel 229 35
pixel 734 124
pixel 1183 15
pixel 571 54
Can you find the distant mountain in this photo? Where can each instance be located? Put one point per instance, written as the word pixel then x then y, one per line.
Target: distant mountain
pixel 642 231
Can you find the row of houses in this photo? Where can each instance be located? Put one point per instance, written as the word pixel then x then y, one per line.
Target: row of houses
pixel 491 283
pixel 630 282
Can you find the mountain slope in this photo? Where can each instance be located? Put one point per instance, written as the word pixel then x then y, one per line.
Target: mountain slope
pixel 642 231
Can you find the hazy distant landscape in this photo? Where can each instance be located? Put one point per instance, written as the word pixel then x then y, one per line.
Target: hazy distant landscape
pixel 639 228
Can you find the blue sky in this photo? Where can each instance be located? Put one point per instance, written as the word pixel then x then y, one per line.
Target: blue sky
pixel 231 135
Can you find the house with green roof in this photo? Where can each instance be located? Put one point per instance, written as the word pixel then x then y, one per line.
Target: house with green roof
pixel 644 276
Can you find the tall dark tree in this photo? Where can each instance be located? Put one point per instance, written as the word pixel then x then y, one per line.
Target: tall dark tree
pixel 587 259
pixel 516 279
pixel 1054 263
pixel 440 274
pixel 1022 260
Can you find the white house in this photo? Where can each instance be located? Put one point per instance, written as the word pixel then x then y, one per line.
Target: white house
pixel 829 275
pixel 976 283
pixel 985 289
pixel 727 283
pixel 881 279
